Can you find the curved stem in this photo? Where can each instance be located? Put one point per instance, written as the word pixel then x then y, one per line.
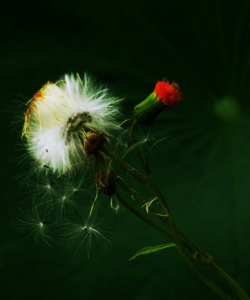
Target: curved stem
pixel 199 272
pixel 193 249
pixel 184 245
pixel 140 215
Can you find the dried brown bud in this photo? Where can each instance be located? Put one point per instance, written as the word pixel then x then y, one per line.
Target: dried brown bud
pixel 93 142
pixel 106 183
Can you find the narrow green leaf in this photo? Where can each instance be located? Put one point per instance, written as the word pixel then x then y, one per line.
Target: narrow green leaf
pixel 147 250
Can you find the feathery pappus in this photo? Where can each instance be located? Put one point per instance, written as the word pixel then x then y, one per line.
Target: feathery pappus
pixel 67 121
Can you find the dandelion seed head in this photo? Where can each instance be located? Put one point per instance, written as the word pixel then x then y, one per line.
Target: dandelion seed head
pixel 60 115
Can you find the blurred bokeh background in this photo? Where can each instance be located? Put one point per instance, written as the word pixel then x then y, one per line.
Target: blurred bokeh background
pixel 203 169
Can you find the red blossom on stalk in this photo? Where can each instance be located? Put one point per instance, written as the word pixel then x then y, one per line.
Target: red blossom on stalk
pixel 168 93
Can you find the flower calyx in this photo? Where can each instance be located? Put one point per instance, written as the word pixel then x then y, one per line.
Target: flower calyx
pixel 165 94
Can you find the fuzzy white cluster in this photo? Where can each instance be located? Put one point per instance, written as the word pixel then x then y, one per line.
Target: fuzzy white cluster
pixel 56 116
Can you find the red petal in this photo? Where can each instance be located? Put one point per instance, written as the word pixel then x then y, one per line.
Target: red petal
pixel 170 94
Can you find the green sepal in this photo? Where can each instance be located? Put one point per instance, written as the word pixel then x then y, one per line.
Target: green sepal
pixel 146 111
pixel 147 250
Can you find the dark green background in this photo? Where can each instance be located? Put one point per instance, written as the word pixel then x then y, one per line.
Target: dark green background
pixel 204 173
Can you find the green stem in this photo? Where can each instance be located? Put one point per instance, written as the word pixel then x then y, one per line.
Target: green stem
pixel 199 272
pixel 143 161
pixel 228 279
pixel 202 255
pixel 184 251
pixel 195 251
pixel 140 215
pixel 149 184
pixel 124 165
pixel 192 248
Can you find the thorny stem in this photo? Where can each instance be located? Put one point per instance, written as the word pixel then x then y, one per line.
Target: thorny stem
pixel 190 252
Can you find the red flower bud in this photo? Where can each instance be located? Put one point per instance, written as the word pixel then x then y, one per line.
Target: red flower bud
pixel 165 93
pixel 169 94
